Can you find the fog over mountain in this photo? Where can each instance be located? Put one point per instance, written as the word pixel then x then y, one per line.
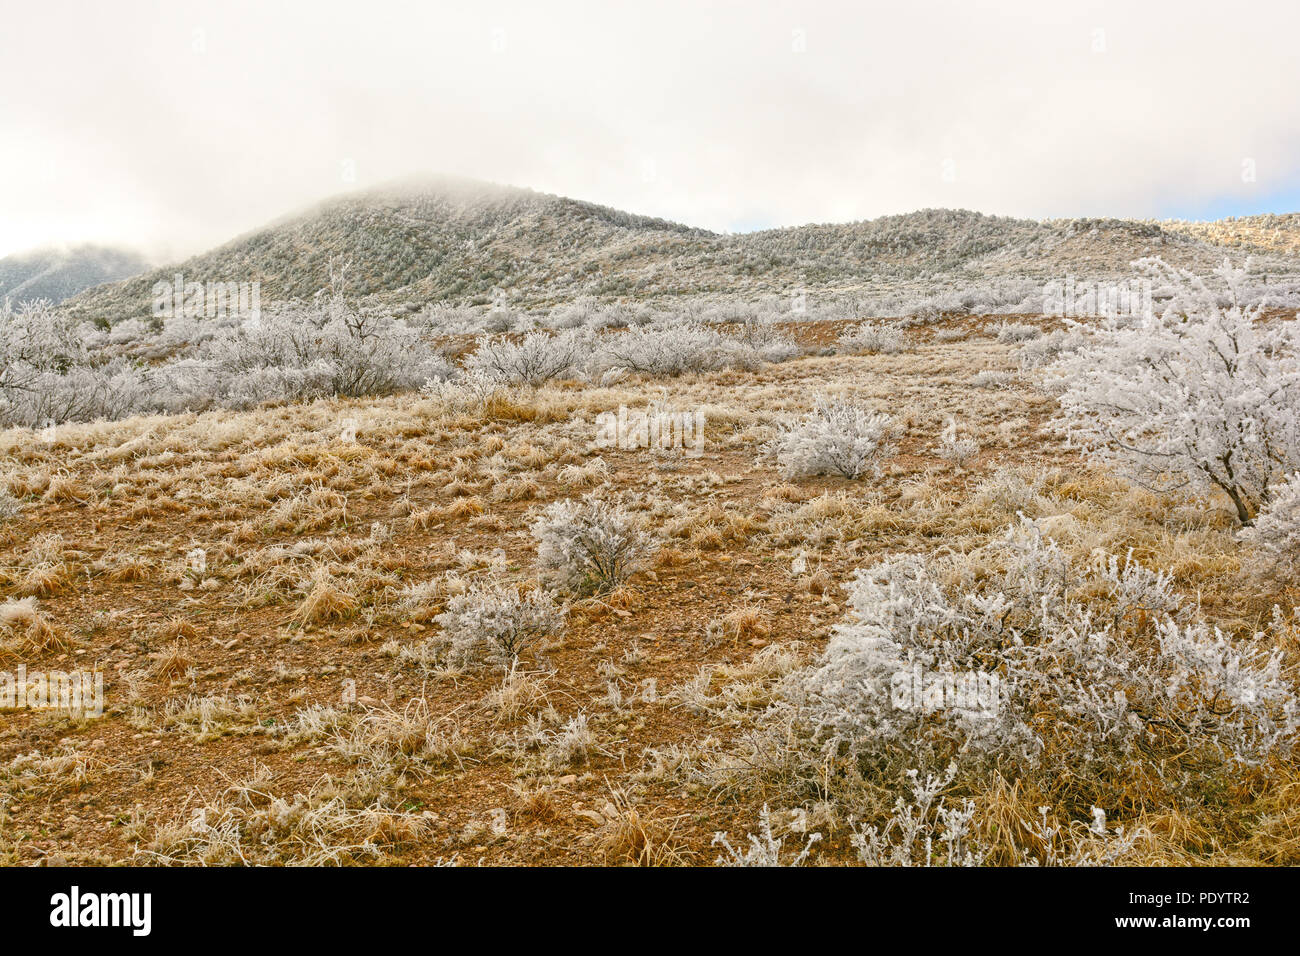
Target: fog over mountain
pixel 465 242
pixel 57 273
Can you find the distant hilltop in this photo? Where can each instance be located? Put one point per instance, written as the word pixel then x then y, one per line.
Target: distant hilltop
pixel 59 273
pixel 467 242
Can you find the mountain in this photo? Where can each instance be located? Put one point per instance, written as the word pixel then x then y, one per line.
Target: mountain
pixel 460 241
pixel 58 273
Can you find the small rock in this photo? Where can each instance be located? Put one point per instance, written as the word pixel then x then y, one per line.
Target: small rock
pixel 591 816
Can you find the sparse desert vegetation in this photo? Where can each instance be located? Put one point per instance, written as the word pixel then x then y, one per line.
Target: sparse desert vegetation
pixel 975 591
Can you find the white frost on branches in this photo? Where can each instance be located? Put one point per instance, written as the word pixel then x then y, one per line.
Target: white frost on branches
pixel 1204 395
pixel 590 545
pixel 837 438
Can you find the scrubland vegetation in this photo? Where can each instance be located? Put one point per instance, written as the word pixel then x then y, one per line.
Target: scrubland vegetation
pixel 433 621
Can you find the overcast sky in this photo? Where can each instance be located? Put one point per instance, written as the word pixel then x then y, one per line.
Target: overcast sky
pixel 174 126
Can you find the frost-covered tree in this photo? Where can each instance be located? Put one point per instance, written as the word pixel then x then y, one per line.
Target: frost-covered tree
pixel 1204 395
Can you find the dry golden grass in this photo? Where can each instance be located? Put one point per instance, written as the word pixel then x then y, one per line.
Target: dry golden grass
pixel 308 645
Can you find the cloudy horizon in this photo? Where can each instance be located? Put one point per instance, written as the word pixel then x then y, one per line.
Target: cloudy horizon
pixel 172 128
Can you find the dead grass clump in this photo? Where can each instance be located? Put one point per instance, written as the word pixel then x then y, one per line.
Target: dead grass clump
pixel 519 694
pixel 632 836
pixel 173 663
pixel 43 571
pixel 26 629
pixel 325 601
pixel 746 623
pixel 208 718
pixel 391 743
pixel 127 569
pixel 337 822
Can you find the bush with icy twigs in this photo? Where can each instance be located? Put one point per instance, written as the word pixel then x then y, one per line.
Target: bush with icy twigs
pixel 1009 333
pixel 47 373
pixel 590 545
pixel 1276 531
pixel 498 620
pixel 764 847
pixel 873 339
pixel 675 348
pixel 1098 667
pixel 837 438
pixel 533 360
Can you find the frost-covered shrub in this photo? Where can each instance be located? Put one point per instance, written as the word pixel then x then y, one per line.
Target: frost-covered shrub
pixel 838 438
pixel 320 351
pixel 533 360
pixel 677 347
pixel 441 318
pixel 49 374
pixel 665 349
pixel 1201 396
pixel 668 349
pixel 1012 332
pixel 1096 665
pixel 1008 492
pixel 467 392
pixel 37 337
pixel 924 831
pixel 955 449
pixel 499 620
pixel 764 847
pixel 81 393
pixel 1276 532
pixel 45 369
pixel 572 315
pixel 590 545
pixel 930 829
pixel 761 336
pixel 1045 349
pixel 923 312
pixel 499 320
pixel 874 339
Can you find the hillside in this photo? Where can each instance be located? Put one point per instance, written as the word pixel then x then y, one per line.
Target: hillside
pixel 458 241
pixel 56 274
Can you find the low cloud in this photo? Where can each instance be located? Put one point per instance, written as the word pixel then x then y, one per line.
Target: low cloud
pixel 174 127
